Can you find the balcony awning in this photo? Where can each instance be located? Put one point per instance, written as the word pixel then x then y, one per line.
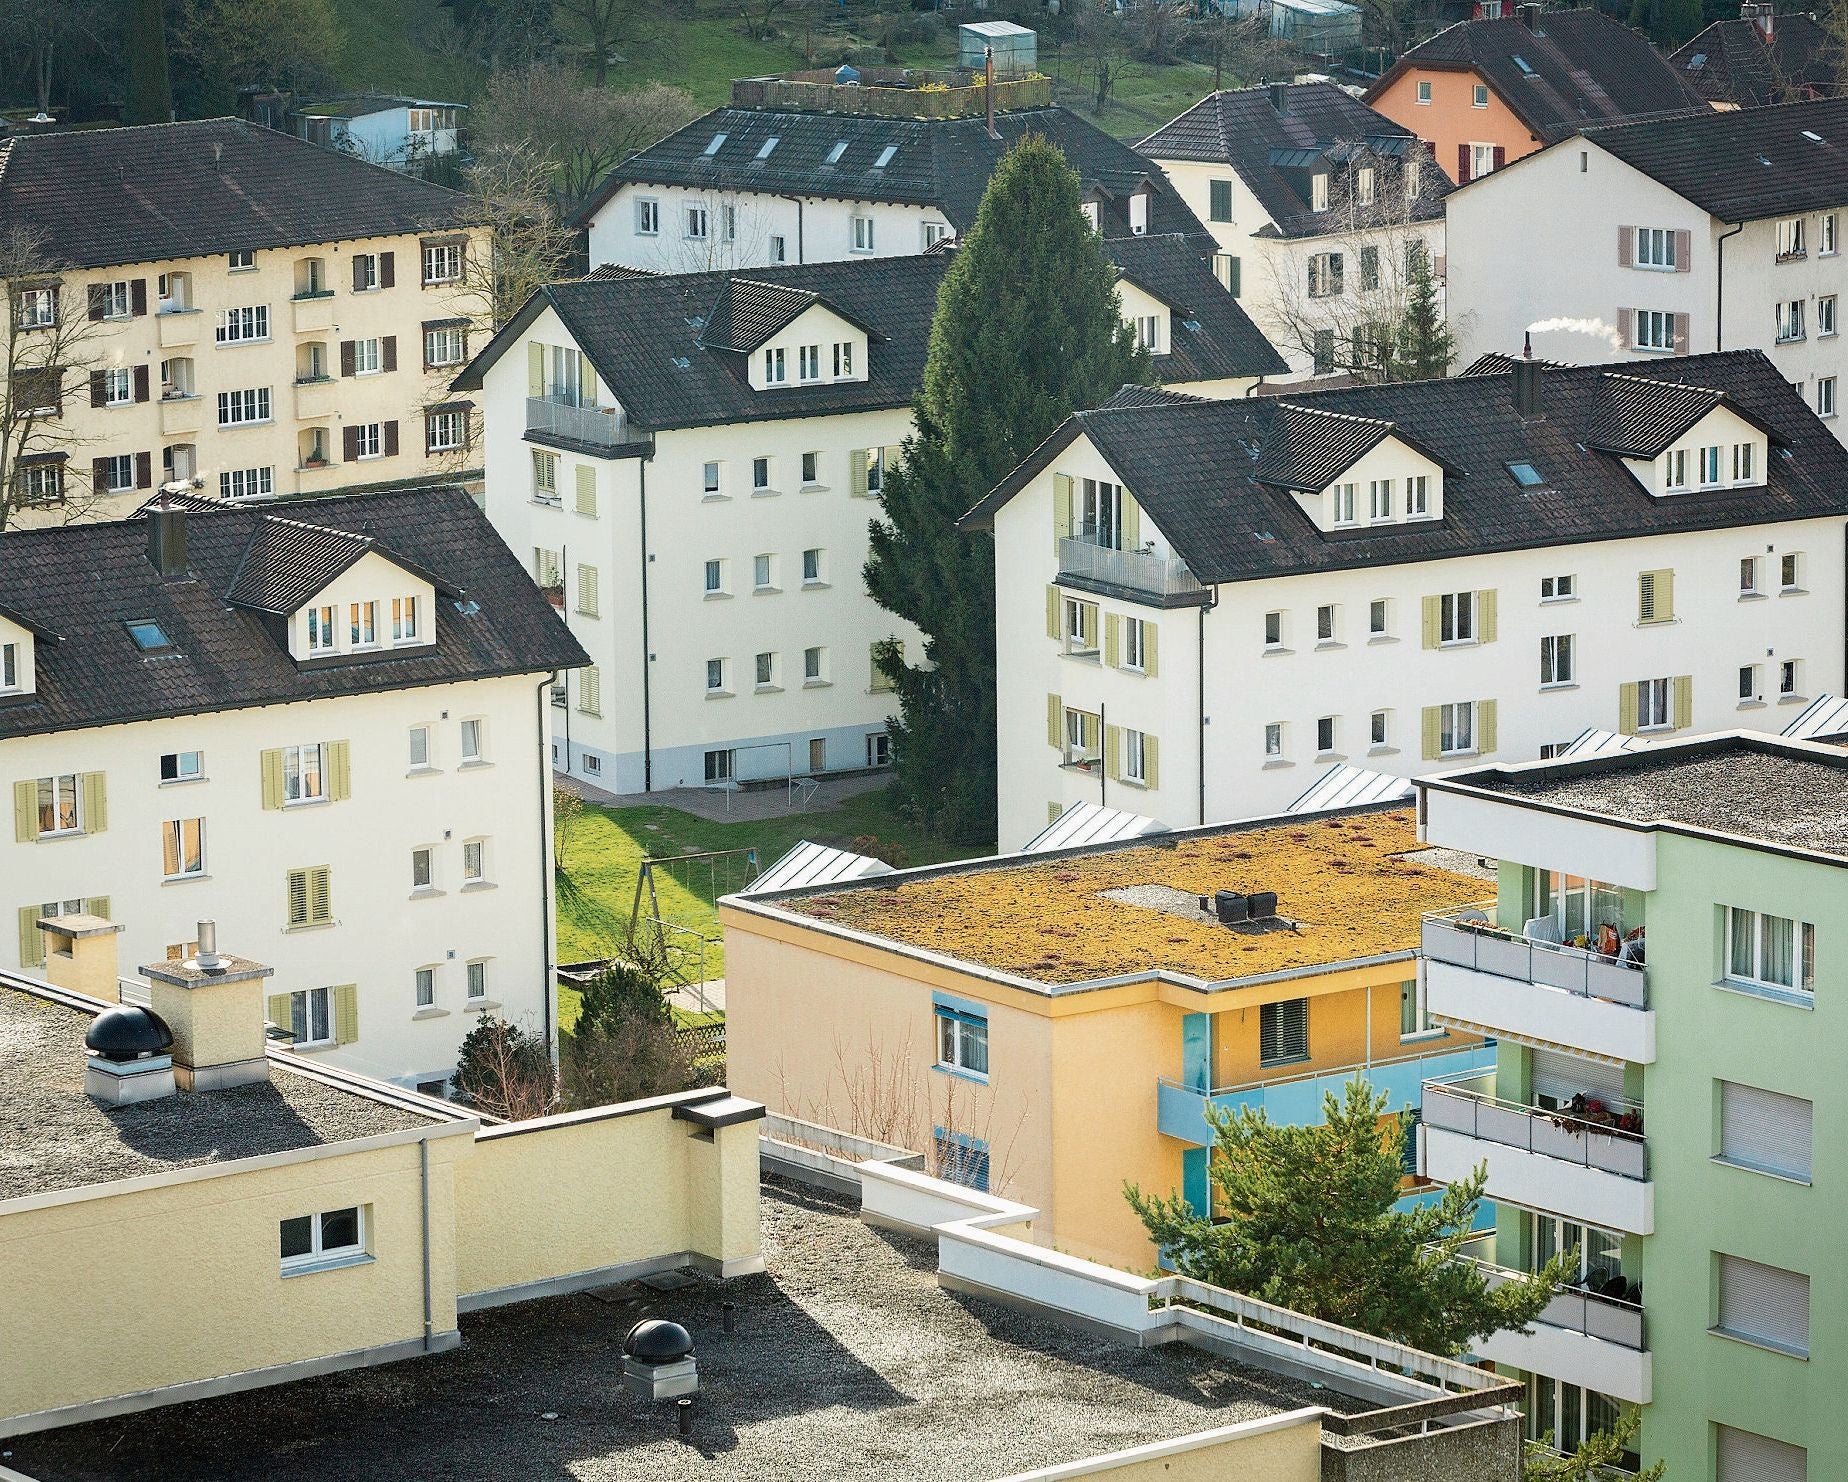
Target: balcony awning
pixel 1532 1042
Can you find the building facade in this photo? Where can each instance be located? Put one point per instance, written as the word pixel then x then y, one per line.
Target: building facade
pixel 290 726
pixel 1397 576
pixel 1655 965
pixel 264 319
pixel 1652 240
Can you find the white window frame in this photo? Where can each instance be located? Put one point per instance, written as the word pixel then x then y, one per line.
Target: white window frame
pixel 404 620
pixel 320 1256
pixel 442 263
pixel 245 407
pixel 1751 925
pixel 715 677
pixel 647 216
pixel 1135 644
pixel 246 483
pixel 1825 396
pixel 962 1040
pixel 1456 728
pixel 1653 329
pixel 304 774
pixel 862 234
pixel 303 1003
pixel 118 386
pixel 446 431
pixel 1341 502
pixel 38 308
pixel 363 624
pixel 1273 740
pixel 244 325
pixel 1558 661
pixel 1559 588
pixel 183 842
pixel 64 787
pixel 1655 704
pixel 695 223
pixel 1134 757
pixel 1456 619
pixel 474 732
pixel 323 636
pixel 1655 248
pixel 475 981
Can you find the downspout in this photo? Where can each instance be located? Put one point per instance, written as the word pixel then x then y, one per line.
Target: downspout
pixel 423 1178
pixel 798 201
pixel 1719 289
pixel 647 693
pixel 1200 695
pixel 541 701
pixel 1103 761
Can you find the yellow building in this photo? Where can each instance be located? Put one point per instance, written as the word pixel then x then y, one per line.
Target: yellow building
pixel 1053 1025
pixel 186 1211
pixel 218 302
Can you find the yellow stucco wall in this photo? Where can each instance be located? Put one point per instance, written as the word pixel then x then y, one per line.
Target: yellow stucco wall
pixel 1290 1454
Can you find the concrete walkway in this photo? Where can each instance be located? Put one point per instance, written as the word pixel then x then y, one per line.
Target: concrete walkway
pixel 743 805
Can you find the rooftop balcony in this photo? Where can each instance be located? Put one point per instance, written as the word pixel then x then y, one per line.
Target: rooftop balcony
pixel 1481 975
pixel 1580 1167
pixel 1165 578
pixel 599 427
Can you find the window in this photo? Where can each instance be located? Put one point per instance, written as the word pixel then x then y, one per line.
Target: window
pixel 934 232
pixel 182 766
pixel 1379 499
pixel 1825 314
pixel 246 483
pixel 1789 571
pixel 1369 260
pixel 1748 576
pixel 1456 617
pixel 1556 660
pixel 59 811
pixel 1343 502
pixel 240 262
pixel 182 848
pixel 1652 704
pixel 312 1239
pixel 1790 319
pixel 1766 1130
pixel 814 662
pixel 235 408
pixel 1655 247
pixel 1135 644
pixel 1456 728
pixel 403 619
pixel 762 573
pixel 444 432
pixel 1787 678
pixel 811 470
pixel 1675 466
pixel 1764 1304
pixel 367 440
pixel 240 326
pixel 766 670
pixel 695 226
pixel 1655 596
pixel 881 682
pixel 425 978
pixel 474 861
pixel 311 1019
pixel 776 367
pixel 1482 159
pixel 477 982
pixel 718 766
pixel 1417 497
pixel 420 746
pixel 1325 623
pixel 472 732
pixel 1745 1456
pixel 760 475
pixel 1325 735
pixel 1479 96
pixel 116 472
pixel 811 566
pixel 647 217
pixel 1219 200
pixel 1148 333
pixel 40 483
pixel 1082 734
pixel 710 480
pixel 362 624
pixel 1377 612
pixel 843 360
pixel 1526 475
pixel 545 476
pixel 366 274
pixel 9 666
pixel 878 749
pixel 1825 237
pixel 38 308
pixel 442 262
pixel 1318 193
pixel 1707 461
pixel 1101 514
pixel 1424 92
pixel 962 1040
pixel 303 780
pixel 715 676
pixel 590 693
pixel 117 387
pixel 863 234
pixel 1273 630
pixel 1283 1032
pixel 1378 728
pixel 715 578
pixel 1325 272
pixel 1825 396
pixel 587 602
pixel 1135 758
pixel 1790 238
pixel 778 252
pixel 1558 588
pixel 808 363
pixel 961 1159
pixel 1080 627
pixel 1363 193
pixel 321 639
pixel 1748 682
pixel 1273 739
pixel 1655 329
pixel 447 346
pixel 1414 1017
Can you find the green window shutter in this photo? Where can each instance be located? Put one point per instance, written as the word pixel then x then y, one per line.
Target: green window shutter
pixel 587 380
pixel 1433 734
pixel 272 778
pixel 1061 509
pixel 1683 685
pixel 339 770
pixel 856 472
pixel 1113 752
pixel 586 489
pixel 95 802
pixel 25 811
pixel 1053 811
pixel 1113 639
pixel 1052 612
pixel 1132 523
pixel 1485 726
pixel 1236 284
pixel 1485 617
pixel 1626 709
pixel 346 1013
pixel 31 944
pixel 1432 619
pixel 277 1008
pixel 1055 722
pixel 320 895
pixel 96 905
pixel 1151 650
pixel 535 369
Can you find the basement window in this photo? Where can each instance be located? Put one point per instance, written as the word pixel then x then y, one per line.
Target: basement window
pixel 148 636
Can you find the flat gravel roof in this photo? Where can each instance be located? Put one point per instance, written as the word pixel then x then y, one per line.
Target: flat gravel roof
pixel 848 1362
pixel 1751 791
pixel 53 1136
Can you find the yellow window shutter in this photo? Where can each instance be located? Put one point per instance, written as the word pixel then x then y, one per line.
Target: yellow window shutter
pixel 1113 639
pixel 25 811
pixel 96 905
pixel 1132 523
pixel 1626 708
pixel 1485 616
pixel 1151 761
pixel 587 380
pixel 95 802
pixel 1485 726
pixel 339 770
pixel 590 690
pixel 1655 597
pixel 1433 733
pixel 1061 509
pixel 298 897
pixel 276 1006
pixel 890 459
pixel 1684 700
pixel 586 489
pixel 856 472
pixel 1665 596
pixel 320 894
pixel 1055 722
pixel 587 590
pixel 272 778
pixel 535 369
pixel 1151 650
pixel 31 944
pixel 1052 611
pixel 1432 618
pixel 1053 811
pixel 1113 752
pixel 346 1013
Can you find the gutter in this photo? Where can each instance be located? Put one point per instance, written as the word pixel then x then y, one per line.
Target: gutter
pixel 1719 289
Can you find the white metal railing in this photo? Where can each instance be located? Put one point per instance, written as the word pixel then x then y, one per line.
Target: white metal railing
pixel 1462 938
pixel 1162 576
pixel 602 426
pixel 1575 1310
pixel 1456 1106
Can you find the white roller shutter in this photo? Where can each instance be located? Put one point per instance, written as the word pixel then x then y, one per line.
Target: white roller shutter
pixel 1559 1076
pixel 1765 1129
pixel 1765 1303
pixel 1745 1456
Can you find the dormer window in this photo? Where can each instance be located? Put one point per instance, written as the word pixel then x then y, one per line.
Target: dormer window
pixel 1417 497
pixel 776 367
pixel 320 630
pixel 1341 501
pixel 1363 185
pixel 363 624
pixel 843 360
pixel 404 620
pixel 1318 192
pixel 1742 461
pixel 9 667
pixel 1090 213
pixel 808 362
pixel 1139 212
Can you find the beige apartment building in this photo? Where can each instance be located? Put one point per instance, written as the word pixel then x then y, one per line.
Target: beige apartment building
pixel 220 304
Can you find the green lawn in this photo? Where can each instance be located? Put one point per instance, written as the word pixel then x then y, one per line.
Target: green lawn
pixel 386 49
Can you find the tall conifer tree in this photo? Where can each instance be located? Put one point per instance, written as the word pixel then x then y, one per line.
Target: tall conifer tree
pixel 149 96
pixel 1028 330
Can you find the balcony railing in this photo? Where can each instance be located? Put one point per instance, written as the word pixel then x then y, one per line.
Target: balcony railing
pixel 1573 1310
pixel 602 427
pixel 1136 571
pixel 1466 1106
pixel 1468 938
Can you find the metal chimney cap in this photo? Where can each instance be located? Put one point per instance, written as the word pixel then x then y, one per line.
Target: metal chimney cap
pixel 657 1341
pixel 127 1032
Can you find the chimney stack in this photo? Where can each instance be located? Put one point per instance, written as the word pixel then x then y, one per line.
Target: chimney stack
pixel 1280 97
pixel 214 1004
pixel 167 539
pixel 1529 16
pixel 80 955
pixel 1527 399
pixel 988 53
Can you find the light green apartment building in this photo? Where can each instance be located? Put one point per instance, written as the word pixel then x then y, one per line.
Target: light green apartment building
pixel 1665 967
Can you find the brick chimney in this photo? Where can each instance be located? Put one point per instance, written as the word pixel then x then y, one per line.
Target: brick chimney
pixel 1528 401
pixel 214 1005
pixel 80 955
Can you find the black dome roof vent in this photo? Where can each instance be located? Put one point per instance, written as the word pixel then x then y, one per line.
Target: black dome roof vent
pixel 657 1341
pixel 127 1032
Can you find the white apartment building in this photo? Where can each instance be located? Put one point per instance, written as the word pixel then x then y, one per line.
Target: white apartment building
pixel 1665 237
pixel 1315 202
pixel 1402 576
pixel 689 465
pixel 327 732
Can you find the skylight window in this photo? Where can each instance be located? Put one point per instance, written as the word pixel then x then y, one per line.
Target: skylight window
pixel 149 636
pixel 718 143
pixel 1526 475
pixel 1526 70
pixel 1812 136
pixel 1697 61
pixel 834 154
pixel 885 156
pixel 769 145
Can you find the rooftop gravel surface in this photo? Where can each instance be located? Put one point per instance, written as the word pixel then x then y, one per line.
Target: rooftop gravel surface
pixel 1346 882
pixel 848 1362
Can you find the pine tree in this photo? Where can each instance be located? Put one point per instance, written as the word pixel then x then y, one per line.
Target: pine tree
pixel 1424 347
pixel 1600 1456
pixel 149 97
pixel 1027 330
pixel 1310 1225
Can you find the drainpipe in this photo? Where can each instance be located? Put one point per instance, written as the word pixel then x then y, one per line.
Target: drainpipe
pixel 1103 758
pixel 423 1177
pixel 1200 693
pixel 798 201
pixel 1719 289
pixel 647 693
pixel 542 699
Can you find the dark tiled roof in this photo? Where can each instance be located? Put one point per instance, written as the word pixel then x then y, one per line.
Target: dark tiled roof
pixel 1276 153
pixel 167 191
pixel 1639 416
pixel 1306 446
pixel 936 162
pixel 288 561
pixel 748 312
pixel 1209 335
pixel 1743 164
pixel 83 582
pixel 1579 67
pixel 1194 467
pixel 1730 62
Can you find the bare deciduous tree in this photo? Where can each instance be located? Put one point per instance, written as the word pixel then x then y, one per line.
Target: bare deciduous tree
pixel 509 187
pixel 505 1071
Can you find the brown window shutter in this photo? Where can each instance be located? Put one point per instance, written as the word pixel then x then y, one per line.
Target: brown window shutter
pixel 141 383
pixel 346 357
pixel 389 439
pixel 349 443
pixel 138 295
pixel 388 352
pixel 1501 157
pixel 1462 164
pixel 1684 250
pixel 1626 246
pixel 465 344
pixel 144 470
pixel 1626 327
pixel 96 301
pixel 96 388
pixel 387 265
pixel 359 272
pixel 1681 334
pixel 99 474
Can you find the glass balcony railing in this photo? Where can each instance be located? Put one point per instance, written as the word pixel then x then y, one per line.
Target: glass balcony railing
pixel 1136 571
pixel 603 427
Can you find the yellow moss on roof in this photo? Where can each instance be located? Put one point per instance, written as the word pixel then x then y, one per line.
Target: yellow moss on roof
pixel 1343 879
